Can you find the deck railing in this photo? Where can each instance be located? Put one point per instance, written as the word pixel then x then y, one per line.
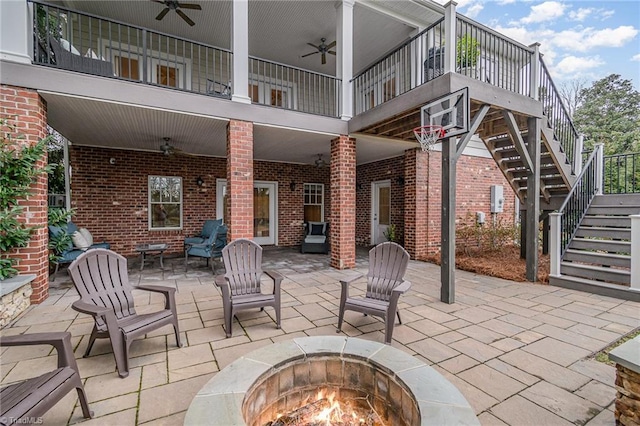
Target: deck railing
pixel 621 173
pixel 90 44
pixel 415 62
pixel 488 56
pixel 284 86
pixel 557 115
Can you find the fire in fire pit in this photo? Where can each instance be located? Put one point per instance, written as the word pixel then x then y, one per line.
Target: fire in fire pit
pixel 329 381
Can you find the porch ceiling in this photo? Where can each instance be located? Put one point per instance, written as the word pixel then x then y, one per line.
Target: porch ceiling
pixel 99 123
pixel 280 30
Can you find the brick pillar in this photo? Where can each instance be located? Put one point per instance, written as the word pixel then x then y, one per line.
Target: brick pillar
pixel 240 179
pixel 343 203
pixel 416 203
pixel 28 111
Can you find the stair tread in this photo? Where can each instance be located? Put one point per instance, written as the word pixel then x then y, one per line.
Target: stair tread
pixel 597 268
pixel 597 287
pixel 621 243
pixel 598 254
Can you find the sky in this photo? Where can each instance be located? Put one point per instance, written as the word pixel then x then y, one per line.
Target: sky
pixel 581 40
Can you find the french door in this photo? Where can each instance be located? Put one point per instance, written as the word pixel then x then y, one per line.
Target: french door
pixel 380 210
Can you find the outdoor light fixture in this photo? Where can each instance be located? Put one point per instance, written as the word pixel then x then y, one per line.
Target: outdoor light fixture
pixel 199 181
pixel 400 180
pixel 292 186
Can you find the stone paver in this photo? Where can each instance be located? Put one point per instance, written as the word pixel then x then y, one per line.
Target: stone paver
pixel 518 352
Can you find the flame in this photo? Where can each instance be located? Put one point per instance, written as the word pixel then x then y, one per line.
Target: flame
pixel 332 413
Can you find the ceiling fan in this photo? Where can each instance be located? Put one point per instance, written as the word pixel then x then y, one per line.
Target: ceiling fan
pixel 175 5
pixel 322 48
pixel 168 149
pixel 320 163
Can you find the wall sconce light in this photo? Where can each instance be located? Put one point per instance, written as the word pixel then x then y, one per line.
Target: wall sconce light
pixel 199 181
pixel 359 186
pixel 400 180
pixel 112 161
pixel 292 186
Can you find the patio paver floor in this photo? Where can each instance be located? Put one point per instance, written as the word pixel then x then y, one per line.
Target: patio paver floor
pixel 517 351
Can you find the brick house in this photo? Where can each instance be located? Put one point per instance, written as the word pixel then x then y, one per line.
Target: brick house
pixel 266 122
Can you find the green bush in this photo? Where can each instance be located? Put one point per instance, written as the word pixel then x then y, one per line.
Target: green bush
pixel 489 237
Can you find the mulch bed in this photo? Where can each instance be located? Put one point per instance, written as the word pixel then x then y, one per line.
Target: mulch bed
pixel 504 263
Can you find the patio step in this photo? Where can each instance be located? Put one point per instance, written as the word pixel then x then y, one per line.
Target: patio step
pixel 596 287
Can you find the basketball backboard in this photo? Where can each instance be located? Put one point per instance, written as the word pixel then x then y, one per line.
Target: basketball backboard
pixel 450 111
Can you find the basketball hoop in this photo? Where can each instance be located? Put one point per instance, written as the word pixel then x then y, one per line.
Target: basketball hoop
pixel 428 136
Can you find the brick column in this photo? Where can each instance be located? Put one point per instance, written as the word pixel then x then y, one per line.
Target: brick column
pixel 240 179
pixel 416 203
pixel 343 203
pixel 28 111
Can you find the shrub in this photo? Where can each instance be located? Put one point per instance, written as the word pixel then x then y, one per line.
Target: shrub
pixel 491 236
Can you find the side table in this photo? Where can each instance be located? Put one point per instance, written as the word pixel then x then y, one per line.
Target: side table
pixel 152 249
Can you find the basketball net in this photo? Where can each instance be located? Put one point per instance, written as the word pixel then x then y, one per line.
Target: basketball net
pixel 428 136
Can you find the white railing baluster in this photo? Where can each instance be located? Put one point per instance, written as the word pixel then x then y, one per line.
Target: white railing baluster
pixel 635 252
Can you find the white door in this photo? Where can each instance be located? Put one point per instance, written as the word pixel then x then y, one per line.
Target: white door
pixel 380 210
pixel 264 209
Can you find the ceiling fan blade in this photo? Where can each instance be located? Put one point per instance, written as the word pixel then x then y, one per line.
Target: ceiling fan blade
pixel 185 17
pixel 309 54
pixel 332 53
pixel 158 1
pixel 162 14
pixel 192 6
pixel 324 58
pixel 330 45
pixel 314 46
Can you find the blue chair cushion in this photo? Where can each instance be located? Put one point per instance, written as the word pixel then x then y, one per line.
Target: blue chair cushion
pixel 209 227
pixel 193 240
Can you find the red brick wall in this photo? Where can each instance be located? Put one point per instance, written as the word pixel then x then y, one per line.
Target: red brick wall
pixel 28 111
pixel 343 198
pixel 112 200
pixel 240 179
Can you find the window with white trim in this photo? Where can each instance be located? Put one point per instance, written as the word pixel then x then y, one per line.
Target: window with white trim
pixel 165 202
pixel 314 202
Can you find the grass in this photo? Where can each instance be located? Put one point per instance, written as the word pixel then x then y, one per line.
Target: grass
pixel 603 355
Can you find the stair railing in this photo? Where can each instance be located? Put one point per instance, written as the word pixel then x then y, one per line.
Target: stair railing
pixel 565 222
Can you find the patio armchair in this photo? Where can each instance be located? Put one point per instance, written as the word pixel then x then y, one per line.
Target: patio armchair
pixel 240 285
pixel 385 283
pixel 101 279
pixel 208 228
pixel 25 401
pixel 210 248
pixel 315 239
pixel 70 252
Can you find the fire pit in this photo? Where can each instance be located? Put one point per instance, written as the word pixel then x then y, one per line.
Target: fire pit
pixel 329 380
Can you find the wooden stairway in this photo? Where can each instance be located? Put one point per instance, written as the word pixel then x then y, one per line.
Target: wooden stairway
pixel 598 258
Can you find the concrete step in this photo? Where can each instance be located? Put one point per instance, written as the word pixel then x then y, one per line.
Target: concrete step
pixel 596 273
pixel 596 287
pixel 597 258
pixel 620 247
pixel 606 221
pixel 603 232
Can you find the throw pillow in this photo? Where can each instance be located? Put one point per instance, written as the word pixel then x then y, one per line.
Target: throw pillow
pixel 317 229
pixel 87 235
pixel 68 47
pixel 79 241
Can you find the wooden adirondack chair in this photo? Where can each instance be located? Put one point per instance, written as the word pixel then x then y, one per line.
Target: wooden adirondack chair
pixel 23 402
pixel 240 284
pixel 385 283
pixel 102 281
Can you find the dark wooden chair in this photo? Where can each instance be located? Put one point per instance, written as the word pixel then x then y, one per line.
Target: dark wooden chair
pixel 102 280
pixel 385 283
pixel 24 402
pixel 240 284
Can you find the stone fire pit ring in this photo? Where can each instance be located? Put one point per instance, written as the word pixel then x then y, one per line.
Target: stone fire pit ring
pixel 222 399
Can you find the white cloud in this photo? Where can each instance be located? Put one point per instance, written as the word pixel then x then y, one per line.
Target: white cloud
pixel 474 10
pixel 547 11
pixel 585 39
pixel 636 57
pixel 573 64
pixel 503 2
pixel 580 14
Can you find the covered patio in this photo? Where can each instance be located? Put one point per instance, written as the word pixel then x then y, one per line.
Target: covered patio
pixel 519 352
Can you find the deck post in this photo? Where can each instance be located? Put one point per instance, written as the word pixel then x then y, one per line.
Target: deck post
pixel 344 57
pixel 450 37
pixel 554 244
pixel 599 147
pixel 534 81
pixel 533 198
pixel 577 158
pixel 240 47
pixel 16 30
pixel 448 222
pixel 635 252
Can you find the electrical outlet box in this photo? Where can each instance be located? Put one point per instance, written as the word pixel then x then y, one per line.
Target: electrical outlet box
pixel 480 219
pixel 497 198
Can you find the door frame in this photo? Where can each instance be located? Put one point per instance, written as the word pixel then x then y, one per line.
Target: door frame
pixel 375 204
pixel 273 208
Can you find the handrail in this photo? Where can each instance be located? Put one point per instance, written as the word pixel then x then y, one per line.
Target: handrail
pixel 577 202
pixel 292 67
pixel 621 174
pixel 493 32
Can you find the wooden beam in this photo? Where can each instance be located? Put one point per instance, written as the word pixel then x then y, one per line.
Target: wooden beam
pixel 514 131
pixel 448 222
pixel 473 129
pixel 533 198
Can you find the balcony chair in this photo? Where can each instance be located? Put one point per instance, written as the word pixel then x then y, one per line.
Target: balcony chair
pixel 315 239
pixel 240 284
pixel 385 283
pixel 101 279
pixel 28 400
pixel 208 228
pixel 70 59
pixel 210 248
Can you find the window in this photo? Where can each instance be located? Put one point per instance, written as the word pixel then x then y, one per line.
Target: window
pixel 274 92
pixel 313 202
pixel 382 89
pixel 165 202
